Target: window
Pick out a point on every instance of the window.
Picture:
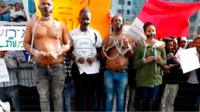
(128, 12)
(121, 2)
(129, 2)
(120, 11)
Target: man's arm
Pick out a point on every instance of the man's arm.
(66, 40)
(5, 9)
(28, 37)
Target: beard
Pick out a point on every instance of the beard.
(118, 27)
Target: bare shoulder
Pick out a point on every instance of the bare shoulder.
(128, 37)
(30, 24)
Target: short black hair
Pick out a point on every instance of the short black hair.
(147, 24)
(167, 40)
(84, 10)
(115, 17)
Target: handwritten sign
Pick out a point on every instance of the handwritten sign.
(4, 76)
(11, 38)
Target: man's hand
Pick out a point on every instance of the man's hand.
(166, 68)
(90, 60)
(81, 60)
(54, 54)
(37, 53)
(126, 43)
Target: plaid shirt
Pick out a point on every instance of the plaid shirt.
(67, 65)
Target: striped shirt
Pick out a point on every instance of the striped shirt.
(26, 74)
(11, 64)
(67, 65)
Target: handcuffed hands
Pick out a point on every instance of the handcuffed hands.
(90, 60)
(55, 53)
(81, 60)
(37, 53)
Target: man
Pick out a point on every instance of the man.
(27, 85)
(18, 14)
(4, 12)
(9, 91)
(86, 44)
(47, 40)
(172, 73)
(117, 48)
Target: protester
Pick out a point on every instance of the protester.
(117, 49)
(172, 72)
(86, 46)
(149, 59)
(47, 40)
(9, 91)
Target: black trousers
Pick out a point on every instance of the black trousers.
(85, 90)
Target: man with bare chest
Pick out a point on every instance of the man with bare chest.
(47, 40)
(117, 48)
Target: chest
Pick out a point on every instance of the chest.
(47, 30)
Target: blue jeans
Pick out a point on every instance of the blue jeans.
(147, 97)
(50, 84)
(68, 95)
(115, 84)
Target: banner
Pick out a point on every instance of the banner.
(67, 11)
(169, 18)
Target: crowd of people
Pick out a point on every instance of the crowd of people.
(78, 71)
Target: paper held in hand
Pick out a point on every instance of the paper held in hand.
(4, 76)
(189, 59)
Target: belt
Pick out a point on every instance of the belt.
(48, 65)
(124, 70)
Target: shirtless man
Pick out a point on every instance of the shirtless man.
(117, 48)
(47, 40)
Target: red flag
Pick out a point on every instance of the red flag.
(170, 18)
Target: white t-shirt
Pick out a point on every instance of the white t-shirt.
(14, 13)
(85, 44)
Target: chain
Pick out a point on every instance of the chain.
(118, 45)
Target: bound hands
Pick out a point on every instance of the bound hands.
(126, 43)
(89, 60)
(51, 54)
(54, 54)
(153, 58)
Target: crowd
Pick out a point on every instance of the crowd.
(78, 71)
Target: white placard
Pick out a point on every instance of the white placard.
(4, 76)
(136, 30)
(189, 59)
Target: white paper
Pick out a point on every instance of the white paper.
(4, 76)
(189, 59)
(136, 30)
